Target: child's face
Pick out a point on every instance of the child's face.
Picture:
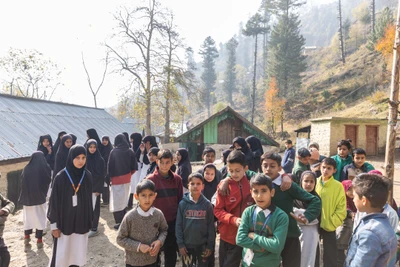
(359, 160)
(178, 156)
(271, 168)
(236, 170)
(104, 142)
(304, 160)
(152, 157)
(79, 161)
(92, 148)
(45, 142)
(209, 174)
(146, 199)
(68, 143)
(164, 165)
(350, 192)
(209, 157)
(237, 146)
(327, 170)
(262, 195)
(195, 186)
(359, 202)
(343, 151)
(147, 145)
(288, 145)
(308, 183)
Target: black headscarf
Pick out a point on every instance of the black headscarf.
(298, 203)
(62, 155)
(72, 219)
(225, 154)
(49, 157)
(105, 151)
(122, 159)
(184, 166)
(92, 133)
(153, 143)
(57, 143)
(74, 138)
(257, 149)
(127, 138)
(250, 159)
(36, 178)
(137, 139)
(95, 164)
(210, 187)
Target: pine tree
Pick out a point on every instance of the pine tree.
(341, 42)
(230, 73)
(209, 53)
(384, 19)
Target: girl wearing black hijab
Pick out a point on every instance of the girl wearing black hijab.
(240, 144)
(184, 167)
(74, 138)
(58, 141)
(121, 165)
(224, 169)
(127, 139)
(62, 154)
(95, 164)
(71, 211)
(92, 134)
(36, 178)
(46, 146)
(136, 140)
(105, 153)
(257, 149)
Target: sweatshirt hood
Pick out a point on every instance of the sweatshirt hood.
(187, 199)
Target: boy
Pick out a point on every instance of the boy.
(334, 212)
(169, 190)
(302, 164)
(373, 242)
(264, 226)
(271, 166)
(358, 165)
(288, 157)
(7, 207)
(209, 157)
(229, 209)
(195, 232)
(144, 229)
(152, 155)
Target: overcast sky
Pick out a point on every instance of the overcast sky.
(61, 30)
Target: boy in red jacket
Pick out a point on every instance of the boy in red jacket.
(229, 209)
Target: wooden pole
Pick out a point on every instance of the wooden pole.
(393, 109)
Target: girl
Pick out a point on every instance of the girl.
(309, 237)
(36, 178)
(74, 138)
(344, 232)
(342, 158)
(95, 164)
(71, 211)
(58, 141)
(257, 149)
(92, 134)
(105, 153)
(62, 154)
(127, 138)
(46, 146)
(152, 155)
(121, 165)
(240, 144)
(184, 167)
(224, 156)
(210, 181)
(136, 140)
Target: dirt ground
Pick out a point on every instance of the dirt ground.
(103, 250)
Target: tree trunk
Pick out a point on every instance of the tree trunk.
(372, 29)
(393, 109)
(253, 106)
(95, 100)
(341, 43)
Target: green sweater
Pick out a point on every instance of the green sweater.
(284, 200)
(267, 247)
(298, 169)
(340, 163)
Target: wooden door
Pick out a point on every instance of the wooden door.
(351, 132)
(371, 146)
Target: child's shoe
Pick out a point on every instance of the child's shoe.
(27, 239)
(39, 244)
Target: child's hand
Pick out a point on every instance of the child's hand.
(183, 251)
(251, 235)
(206, 253)
(144, 248)
(141, 147)
(286, 182)
(155, 248)
(238, 221)
(2, 213)
(224, 188)
(56, 233)
(301, 218)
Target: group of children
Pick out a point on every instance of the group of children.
(264, 217)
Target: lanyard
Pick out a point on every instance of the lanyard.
(255, 220)
(76, 189)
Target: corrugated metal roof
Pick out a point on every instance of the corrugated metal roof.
(23, 120)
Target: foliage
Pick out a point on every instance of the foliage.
(209, 53)
(30, 74)
(274, 105)
(361, 13)
(377, 97)
(385, 44)
(326, 94)
(339, 106)
(219, 106)
(230, 73)
(384, 20)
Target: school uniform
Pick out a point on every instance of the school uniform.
(121, 165)
(49, 156)
(36, 178)
(95, 164)
(71, 212)
(61, 156)
(250, 159)
(105, 153)
(184, 167)
(257, 149)
(58, 142)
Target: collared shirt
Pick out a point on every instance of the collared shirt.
(191, 198)
(266, 211)
(145, 213)
(278, 180)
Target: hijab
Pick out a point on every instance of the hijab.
(74, 172)
(57, 143)
(105, 151)
(127, 138)
(210, 187)
(74, 138)
(36, 178)
(184, 166)
(225, 154)
(255, 144)
(299, 203)
(95, 164)
(120, 161)
(242, 143)
(137, 140)
(349, 201)
(92, 134)
(62, 155)
(153, 143)
(40, 144)
(250, 159)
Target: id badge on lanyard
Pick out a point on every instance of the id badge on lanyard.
(76, 189)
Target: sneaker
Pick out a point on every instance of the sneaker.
(93, 233)
(26, 241)
(116, 226)
(39, 245)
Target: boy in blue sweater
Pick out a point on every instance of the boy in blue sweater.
(358, 166)
(195, 231)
